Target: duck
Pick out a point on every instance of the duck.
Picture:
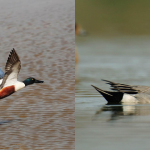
(76, 52)
(8, 80)
(78, 31)
(123, 93)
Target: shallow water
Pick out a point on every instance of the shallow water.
(100, 126)
(41, 116)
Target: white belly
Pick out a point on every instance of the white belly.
(128, 108)
(128, 99)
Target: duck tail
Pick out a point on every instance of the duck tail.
(111, 97)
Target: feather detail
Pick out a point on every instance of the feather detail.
(12, 69)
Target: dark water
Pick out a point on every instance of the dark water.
(100, 126)
(41, 116)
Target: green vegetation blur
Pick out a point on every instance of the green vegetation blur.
(114, 17)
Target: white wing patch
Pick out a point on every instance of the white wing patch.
(1, 81)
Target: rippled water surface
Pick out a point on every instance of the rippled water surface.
(40, 116)
(101, 126)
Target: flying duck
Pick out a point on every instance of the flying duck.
(125, 93)
(8, 81)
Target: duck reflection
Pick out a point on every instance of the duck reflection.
(119, 111)
(8, 121)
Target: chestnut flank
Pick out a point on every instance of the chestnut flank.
(6, 91)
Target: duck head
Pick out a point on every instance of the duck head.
(31, 80)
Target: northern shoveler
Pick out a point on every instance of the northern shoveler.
(125, 93)
(8, 81)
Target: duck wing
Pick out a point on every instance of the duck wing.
(142, 89)
(1, 74)
(129, 89)
(12, 68)
(124, 88)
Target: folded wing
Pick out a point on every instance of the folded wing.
(124, 88)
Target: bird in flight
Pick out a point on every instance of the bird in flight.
(8, 80)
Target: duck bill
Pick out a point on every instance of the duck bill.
(38, 81)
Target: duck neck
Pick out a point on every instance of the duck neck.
(26, 82)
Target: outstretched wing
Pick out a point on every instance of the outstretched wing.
(12, 69)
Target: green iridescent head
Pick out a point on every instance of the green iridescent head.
(31, 80)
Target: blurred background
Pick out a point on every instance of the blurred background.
(112, 18)
(116, 48)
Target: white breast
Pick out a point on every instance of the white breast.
(19, 85)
